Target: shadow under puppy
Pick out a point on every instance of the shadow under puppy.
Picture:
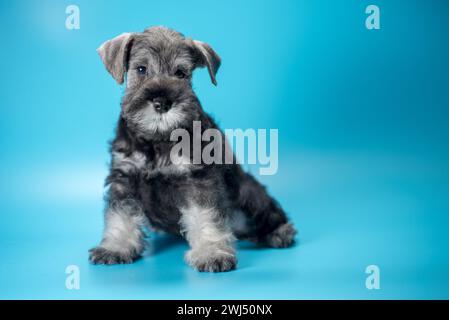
(209, 204)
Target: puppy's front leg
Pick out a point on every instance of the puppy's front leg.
(123, 237)
(210, 239)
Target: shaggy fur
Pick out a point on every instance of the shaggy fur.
(209, 204)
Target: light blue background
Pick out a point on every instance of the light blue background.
(363, 145)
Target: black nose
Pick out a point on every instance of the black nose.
(161, 104)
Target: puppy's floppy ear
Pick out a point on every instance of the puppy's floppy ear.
(114, 54)
(207, 57)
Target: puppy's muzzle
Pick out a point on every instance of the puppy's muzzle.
(161, 104)
(163, 93)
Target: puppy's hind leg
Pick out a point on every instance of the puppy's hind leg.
(268, 223)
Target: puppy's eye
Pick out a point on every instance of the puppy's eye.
(142, 70)
(180, 74)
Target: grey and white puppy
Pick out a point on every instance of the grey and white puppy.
(209, 204)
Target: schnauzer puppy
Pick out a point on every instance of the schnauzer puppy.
(209, 204)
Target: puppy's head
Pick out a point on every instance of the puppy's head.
(158, 65)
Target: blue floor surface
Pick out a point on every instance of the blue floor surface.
(351, 210)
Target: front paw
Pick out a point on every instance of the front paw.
(100, 255)
(211, 262)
